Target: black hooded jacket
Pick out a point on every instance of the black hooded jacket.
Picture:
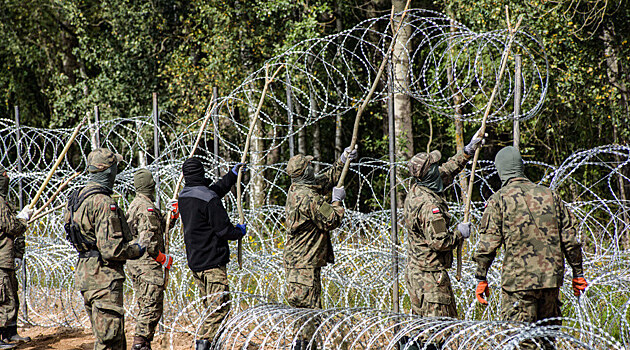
(207, 227)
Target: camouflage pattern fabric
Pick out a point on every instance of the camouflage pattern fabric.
(431, 294)
(9, 302)
(213, 281)
(304, 288)
(105, 310)
(310, 218)
(430, 244)
(536, 231)
(101, 159)
(532, 306)
(11, 235)
(101, 220)
(146, 221)
(150, 306)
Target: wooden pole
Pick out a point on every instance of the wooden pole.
(56, 165)
(518, 96)
(355, 131)
(482, 130)
(239, 201)
(52, 198)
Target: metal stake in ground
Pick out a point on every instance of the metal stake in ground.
(239, 202)
(482, 130)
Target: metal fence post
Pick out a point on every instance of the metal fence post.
(392, 191)
(156, 149)
(97, 127)
(215, 139)
(518, 95)
(18, 135)
(290, 115)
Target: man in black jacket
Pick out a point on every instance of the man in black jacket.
(207, 230)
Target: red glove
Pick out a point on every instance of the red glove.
(482, 288)
(174, 211)
(165, 260)
(579, 285)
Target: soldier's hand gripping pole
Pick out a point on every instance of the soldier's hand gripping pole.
(381, 69)
(239, 202)
(56, 165)
(167, 238)
(482, 130)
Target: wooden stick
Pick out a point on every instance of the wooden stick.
(239, 202)
(482, 130)
(381, 69)
(41, 215)
(56, 165)
(52, 198)
(167, 237)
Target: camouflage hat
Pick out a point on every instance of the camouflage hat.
(419, 164)
(297, 164)
(101, 159)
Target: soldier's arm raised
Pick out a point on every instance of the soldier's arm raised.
(108, 227)
(490, 238)
(571, 247)
(224, 184)
(326, 216)
(438, 236)
(453, 166)
(327, 179)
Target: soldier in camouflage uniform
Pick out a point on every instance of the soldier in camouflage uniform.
(12, 230)
(310, 218)
(147, 224)
(98, 229)
(431, 243)
(537, 231)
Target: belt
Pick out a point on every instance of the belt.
(90, 254)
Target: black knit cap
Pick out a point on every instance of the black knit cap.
(194, 173)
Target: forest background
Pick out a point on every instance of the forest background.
(58, 59)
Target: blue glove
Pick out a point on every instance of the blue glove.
(243, 228)
(238, 166)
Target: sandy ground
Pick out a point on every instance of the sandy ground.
(60, 338)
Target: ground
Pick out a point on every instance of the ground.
(62, 338)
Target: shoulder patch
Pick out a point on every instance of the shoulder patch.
(485, 205)
(150, 209)
(436, 210)
(112, 207)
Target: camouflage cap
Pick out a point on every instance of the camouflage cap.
(101, 159)
(419, 164)
(297, 164)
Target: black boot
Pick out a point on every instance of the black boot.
(140, 343)
(10, 335)
(4, 345)
(297, 345)
(202, 344)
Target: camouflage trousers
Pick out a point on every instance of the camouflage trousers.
(431, 293)
(105, 310)
(304, 291)
(9, 302)
(217, 307)
(150, 306)
(532, 306)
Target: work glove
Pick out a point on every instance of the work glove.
(238, 166)
(579, 285)
(482, 289)
(338, 194)
(25, 214)
(464, 229)
(474, 143)
(347, 153)
(165, 259)
(17, 262)
(173, 206)
(243, 228)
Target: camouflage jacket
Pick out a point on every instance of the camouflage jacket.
(430, 242)
(536, 231)
(101, 220)
(310, 218)
(146, 221)
(11, 235)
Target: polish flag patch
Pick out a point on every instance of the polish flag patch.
(436, 210)
(112, 207)
(150, 210)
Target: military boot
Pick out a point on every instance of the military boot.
(10, 335)
(297, 345)
(202, 344)
(140, 343)
(4, 345)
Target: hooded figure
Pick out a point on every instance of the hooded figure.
(144, 184)
(509, 164)
(424, 168)
(103, 167)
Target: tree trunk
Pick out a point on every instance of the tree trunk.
(257, 180)
(338, 142)
(402, 102)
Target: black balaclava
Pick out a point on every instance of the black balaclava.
(307, 177)
(509, 164)
(144, 183)
(432, 179)
(194, 174)
(106, 177)
(4, 182)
